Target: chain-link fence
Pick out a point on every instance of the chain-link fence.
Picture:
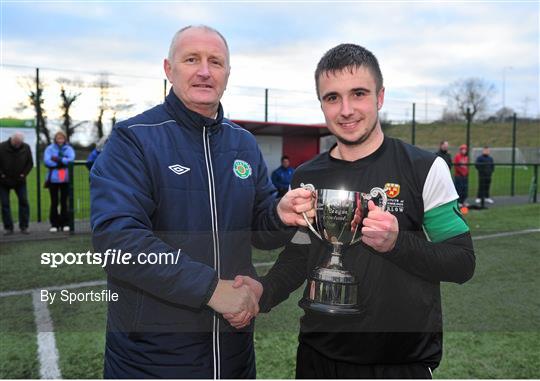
(87, 105)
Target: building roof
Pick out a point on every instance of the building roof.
(280, 129)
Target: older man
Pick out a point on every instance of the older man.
(180, 178)
(15, 164)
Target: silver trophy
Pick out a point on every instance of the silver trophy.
(338, 221)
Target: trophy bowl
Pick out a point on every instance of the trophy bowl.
(338, 222)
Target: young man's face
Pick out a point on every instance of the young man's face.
(350, 103)
(199, 70)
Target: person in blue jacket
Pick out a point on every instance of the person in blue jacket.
(181, 179)
(57, 157)
(281, 177)
(91, 159)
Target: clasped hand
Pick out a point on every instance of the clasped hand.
(238, 300)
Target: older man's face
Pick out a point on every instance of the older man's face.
(199, 70)
(16, 141)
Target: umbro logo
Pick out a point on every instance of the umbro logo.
(178, 169)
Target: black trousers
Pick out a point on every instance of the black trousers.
(484, 183)
(462, 188)
(24, 208)
(313, 365)
(62, 219)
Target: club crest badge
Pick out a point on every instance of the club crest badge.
(392, 190)
(241, 169)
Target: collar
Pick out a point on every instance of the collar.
(366, 160)
(188, 118)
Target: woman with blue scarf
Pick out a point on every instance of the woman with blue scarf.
(57, 157)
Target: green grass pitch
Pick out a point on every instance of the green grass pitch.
(492, 325)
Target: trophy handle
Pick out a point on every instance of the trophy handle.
(380, 192)
(310, 188)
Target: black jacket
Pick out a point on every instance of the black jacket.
(400, 290)
(484, 165)
(14, 162)
(446, 156)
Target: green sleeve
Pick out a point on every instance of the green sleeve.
(444, 221)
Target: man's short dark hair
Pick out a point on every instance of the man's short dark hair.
(284, 157)
(348, 56)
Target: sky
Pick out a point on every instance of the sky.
(421, 46)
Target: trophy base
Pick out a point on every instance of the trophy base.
(330, 309)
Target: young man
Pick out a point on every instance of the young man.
(281, 177)
(181, 179)
(484, 166)
(405, 252)
(443, 153)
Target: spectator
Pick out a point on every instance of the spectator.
(443, 152)
(461, 174)
(281, 177)
(484, 166)
(15, 164)
(57, 157)
(95, 152)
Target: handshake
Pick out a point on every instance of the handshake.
(238, 300)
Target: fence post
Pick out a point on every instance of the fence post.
(513, 176)
(413, 126)
(71, 209)
(164, 89)
(38, 158)
(468, 136)
(266, 105)
(535, 184)
(468, 141)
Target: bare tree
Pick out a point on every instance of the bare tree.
(104, 86)
(35, 100)
(68, 98)
(470, 93)
(119, 106)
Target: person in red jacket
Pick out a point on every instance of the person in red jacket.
(461, 174)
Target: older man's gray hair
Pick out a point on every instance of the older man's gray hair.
(208, 28)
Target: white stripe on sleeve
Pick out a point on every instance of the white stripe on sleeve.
(439, 188)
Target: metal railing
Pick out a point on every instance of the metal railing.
(507, 180)
(79, 196)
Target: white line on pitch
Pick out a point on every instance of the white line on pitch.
(47, 351)
(506, 234)
(263, 264)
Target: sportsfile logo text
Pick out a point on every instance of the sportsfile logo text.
(109, 257)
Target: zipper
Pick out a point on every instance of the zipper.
(215, 239)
